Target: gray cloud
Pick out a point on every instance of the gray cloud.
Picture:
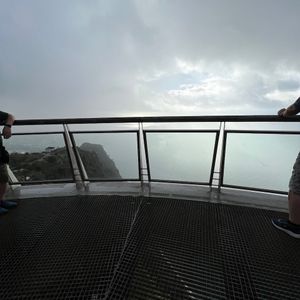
(87, 58)
(288, 85)
(238, 30)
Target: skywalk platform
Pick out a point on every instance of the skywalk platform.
(139, 247)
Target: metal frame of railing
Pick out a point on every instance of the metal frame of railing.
(162, 119)
(81, 177)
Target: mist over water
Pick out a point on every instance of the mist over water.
(260, 160)
(181, 156)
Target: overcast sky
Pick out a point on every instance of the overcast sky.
(94, 58)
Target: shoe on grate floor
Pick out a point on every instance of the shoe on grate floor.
(288, 227)
(8, 204)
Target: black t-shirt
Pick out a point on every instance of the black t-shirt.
(3, 118)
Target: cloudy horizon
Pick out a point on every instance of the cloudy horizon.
(103, 58)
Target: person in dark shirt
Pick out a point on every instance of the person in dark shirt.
(292, 225)
(7, 120)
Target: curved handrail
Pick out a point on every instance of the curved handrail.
(160, 119)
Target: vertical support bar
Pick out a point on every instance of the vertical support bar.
(74, 165)
(140, 157)
(222, 161)
(82, 169)
(214, 158)
(147, 156)
(143, 159)
(13, 179)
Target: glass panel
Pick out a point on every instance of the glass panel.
(173, 126)
(260, 160)
(109, 155)
(185, 156)
(263, 126)
(39, 157)
(37, 128)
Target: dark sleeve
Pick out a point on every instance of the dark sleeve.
(3, 117)
(297, 104)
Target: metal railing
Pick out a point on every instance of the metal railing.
(216, 176)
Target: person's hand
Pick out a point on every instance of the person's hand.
(6, 132)
(281, 112)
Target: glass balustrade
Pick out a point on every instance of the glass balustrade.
(255, 160)
(39, 157)
(108, 155)
(260, 160)
(181, 156)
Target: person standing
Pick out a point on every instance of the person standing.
(292, 225)
(7, 120)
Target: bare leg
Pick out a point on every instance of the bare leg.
(294, 207)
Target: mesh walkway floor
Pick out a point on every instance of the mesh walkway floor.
(114, 247)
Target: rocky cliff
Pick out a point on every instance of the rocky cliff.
(97, 162)
(53, 164)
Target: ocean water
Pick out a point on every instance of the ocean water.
(181, 156)
(260, 160)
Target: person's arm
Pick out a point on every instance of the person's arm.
(292, 110)
(6, 132)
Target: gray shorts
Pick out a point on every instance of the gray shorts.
(3, 173)
(294, 185)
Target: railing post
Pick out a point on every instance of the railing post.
(217, 176)
(16, 185)
(222, 155)
(81, 166)
(142, 160)
(77, 176)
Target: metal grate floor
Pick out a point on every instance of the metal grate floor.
(114, 247)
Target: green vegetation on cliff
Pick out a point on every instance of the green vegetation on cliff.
(54, 164)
